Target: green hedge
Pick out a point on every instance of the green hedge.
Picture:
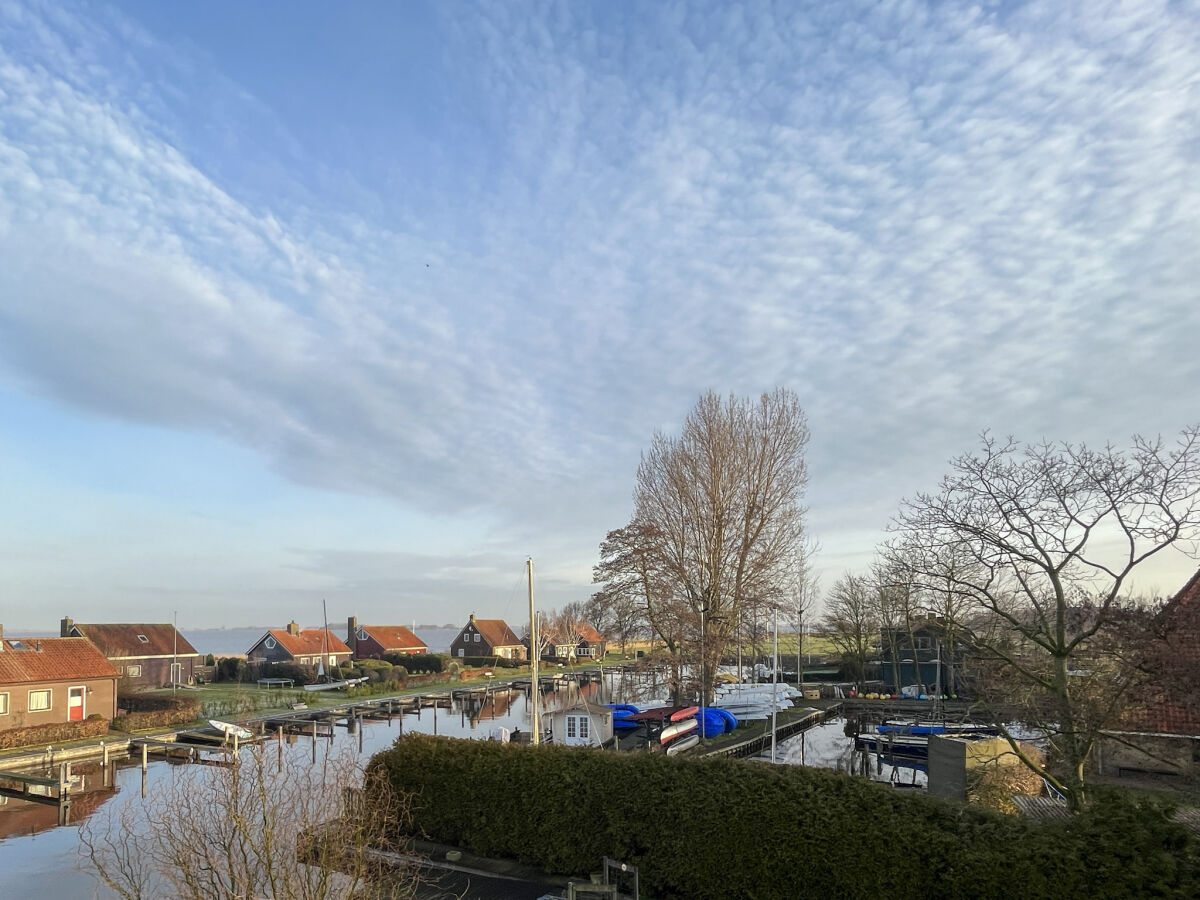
(416, 662)
(725, 828)
(490, 662)
(53, 733)
(155, 711)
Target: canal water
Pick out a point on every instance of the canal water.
(38, 858)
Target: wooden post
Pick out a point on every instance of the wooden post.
(314, 741)
(144, 757)
(360, 737)
(279, 741)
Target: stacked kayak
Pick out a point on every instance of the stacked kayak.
(621, 714)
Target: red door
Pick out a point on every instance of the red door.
(75, 704)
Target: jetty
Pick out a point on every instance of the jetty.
(789, 723)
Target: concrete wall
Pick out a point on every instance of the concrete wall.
(1165, 754)
(952, 758)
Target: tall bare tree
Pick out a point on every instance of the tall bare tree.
(719, 513)
(1035, 544)
(851, 621)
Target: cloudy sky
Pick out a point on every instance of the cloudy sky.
(369, 302)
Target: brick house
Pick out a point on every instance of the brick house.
(488, 637)
(145, 655)
(583, 641)
(1160, 729)
(373, 641)
(305, 647)
(46, 681)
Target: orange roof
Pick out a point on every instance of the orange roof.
(31, 660)
(589, 634)
(394, 637)
(309, 642)
(120, 640)
(497, 633)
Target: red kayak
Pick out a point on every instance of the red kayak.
(687, 712)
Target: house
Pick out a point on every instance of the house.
(928, 655)
(145, 655)
(45, 681)
(581, 725)
(580, 640)
(1159, 732)
(488, 637)
(373, 641)
(307, 647)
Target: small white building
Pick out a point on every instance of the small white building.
(581, 725)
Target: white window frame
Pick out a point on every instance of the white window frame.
(303, 660)
(332, 659)
(4, 704)
(49, 700)
(571, 726)
(583, 728)
(133, 671)
(478, 638)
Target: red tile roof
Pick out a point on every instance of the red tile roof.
(309, 642)
(1170, 703)
(121, 640)
(58, 659)
(497, 633)
(589, 634)
(395, 637)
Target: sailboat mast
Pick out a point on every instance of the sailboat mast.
(534, 655)
(774, 684)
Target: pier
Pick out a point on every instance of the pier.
(791, 726)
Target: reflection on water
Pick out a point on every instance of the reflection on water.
(827, 746)
(34, 852)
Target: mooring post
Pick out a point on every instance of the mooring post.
(435, 712)
(145, 754)
(279, 741)
(235, 743)
(314, 741)
(360, 737)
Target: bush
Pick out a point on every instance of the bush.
(210, 660)
(490, 662)
(301, 675)
(54, 733)
(804, 832)
(232, 668)
(416, 662)
(155, 712)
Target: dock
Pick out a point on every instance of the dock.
(791, 726)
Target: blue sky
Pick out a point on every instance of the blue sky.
(369, 302)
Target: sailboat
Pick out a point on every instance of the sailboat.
(326, 682)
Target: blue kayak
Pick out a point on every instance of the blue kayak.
(712, 723)
(731, 721)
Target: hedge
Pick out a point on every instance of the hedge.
(725, 828)
(416, 662)
(155, 712)
(54, 733)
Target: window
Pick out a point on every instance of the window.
(462, 652)
(39, 701)
(303, 660)
(922, 643)
(477, 637)
(143, 639)
(571, 726)
(3, 704)
(332, 660)
(269, 643)
(583, 727)
(134, 671)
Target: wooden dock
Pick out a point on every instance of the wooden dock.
(44, 789)
(793, 726)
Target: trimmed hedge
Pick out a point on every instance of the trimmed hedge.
(54, 733)
(155, 712)
(724, 828)
(416, 662)
(490, 662)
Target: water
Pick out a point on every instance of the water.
(38, 858)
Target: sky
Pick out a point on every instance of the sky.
(366, 303)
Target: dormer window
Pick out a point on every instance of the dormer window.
(269, 643)
(362, 634)
(143, 639)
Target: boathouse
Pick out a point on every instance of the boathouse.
(373, 641)
(144, 655)
(45, 681)
(581, 725)
(304, 647)
(488, 637)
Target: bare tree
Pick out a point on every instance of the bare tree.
(257, 828)
(719, 514)
(851, 621)
(1036, 545)
(617, 615)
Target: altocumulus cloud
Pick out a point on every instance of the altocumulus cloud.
(926, 219)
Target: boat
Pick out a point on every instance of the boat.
(334, 685)
(683, 744)
(731, 721)
(324, 681)
(687, 712)
(230, 730)
(712, 722)
(677, 729)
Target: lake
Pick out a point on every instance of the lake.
(36, 857)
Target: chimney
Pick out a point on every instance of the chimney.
(38, 645)
(64, 629)
(293, 628)
(351, 632)
(472, 618)
(1, 638)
